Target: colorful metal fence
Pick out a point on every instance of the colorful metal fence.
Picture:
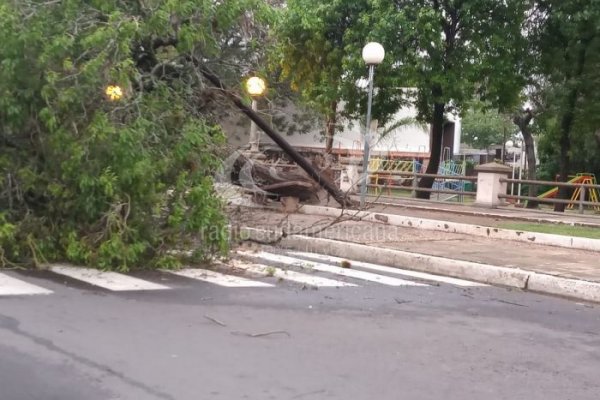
(388, 175)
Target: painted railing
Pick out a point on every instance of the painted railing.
(390, 177)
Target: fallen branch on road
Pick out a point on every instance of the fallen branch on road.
(216, 321)
(255, 335)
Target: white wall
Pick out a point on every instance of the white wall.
(413, 138)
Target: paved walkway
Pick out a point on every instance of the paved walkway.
(456, 212)
(568, 263)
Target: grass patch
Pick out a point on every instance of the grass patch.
(555, 229)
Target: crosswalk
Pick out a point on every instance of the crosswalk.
(218, 278)
(246, 269)
(105, 279)
(10, 286)
(289, 275)
(390, 270)
(317, 266)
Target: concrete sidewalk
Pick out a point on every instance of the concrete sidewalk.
(459, 212)
(460, 255)
(488, 227)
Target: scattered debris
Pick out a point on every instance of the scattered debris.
(255, 335)
(216, 321)
(298, 396)
(400, 301)
(381, 217)
(508, 302)
(290, 204)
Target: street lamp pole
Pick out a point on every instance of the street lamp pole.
(372, 54)
(514, 165)
(253, 141)
(503, 145)
(510, 145)
(521, 167)
(256, 87)
(367, 149)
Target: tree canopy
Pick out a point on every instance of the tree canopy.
(566, 61)
(312, 37)
(114, 184)
(450, 52)
(484, 128)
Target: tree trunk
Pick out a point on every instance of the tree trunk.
(330, 128)
(565, 147)
(522, 121)
(437, 135)
(531, 167)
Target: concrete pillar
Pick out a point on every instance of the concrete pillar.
(350, 179)
(489, 185)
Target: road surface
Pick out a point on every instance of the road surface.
(271, 325)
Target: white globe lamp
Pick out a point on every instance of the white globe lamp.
(373, 53)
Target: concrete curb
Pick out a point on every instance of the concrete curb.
(490, 212)
(546, 239)
(485, 273)
(573, 288)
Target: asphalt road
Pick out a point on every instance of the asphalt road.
(203, 341)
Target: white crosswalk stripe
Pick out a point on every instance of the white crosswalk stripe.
(108, 280)
(351, 273)
(390, 270)
(10, 286)
(251, 264)
(218, 278)
(289, 275)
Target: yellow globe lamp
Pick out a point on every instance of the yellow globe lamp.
(114, 92)
(256, 86)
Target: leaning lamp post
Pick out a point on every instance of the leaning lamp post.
(372, 55)
(256, 87)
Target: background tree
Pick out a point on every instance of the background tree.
(566, 35)
(315, 41)
(310, 52)
(450, 51)
(483, 128)
(114, 184)
(523, 120)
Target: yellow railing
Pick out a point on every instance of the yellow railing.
(380, 171)
(380, 165)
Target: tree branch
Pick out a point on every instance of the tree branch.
(164, 42)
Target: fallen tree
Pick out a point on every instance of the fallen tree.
(113, 181)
